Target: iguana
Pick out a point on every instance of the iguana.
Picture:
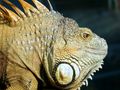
(39, 44)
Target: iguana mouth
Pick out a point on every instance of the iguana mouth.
(99, 49)
(96, 52)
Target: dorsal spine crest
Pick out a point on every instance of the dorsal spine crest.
(13, 18)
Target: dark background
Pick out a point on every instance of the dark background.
(103, 17)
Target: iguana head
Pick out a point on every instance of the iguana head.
(76, 53)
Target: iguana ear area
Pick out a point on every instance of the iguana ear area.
(65, 73)
(85, 34)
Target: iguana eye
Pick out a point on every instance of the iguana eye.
(66, 73)
(86, 34)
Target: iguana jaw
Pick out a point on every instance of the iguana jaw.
(94, 61)
(91, 72)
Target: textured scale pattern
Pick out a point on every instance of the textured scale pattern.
(39, 44)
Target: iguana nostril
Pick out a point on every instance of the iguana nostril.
(64, 74)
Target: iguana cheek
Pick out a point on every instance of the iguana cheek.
(66, 73)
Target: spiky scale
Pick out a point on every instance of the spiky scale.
(18, 11)
(27, 7)
(39, 6)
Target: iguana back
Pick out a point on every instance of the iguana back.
(39, 41)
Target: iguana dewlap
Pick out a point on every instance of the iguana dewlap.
(39, 41)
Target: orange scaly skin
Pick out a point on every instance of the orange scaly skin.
(39, 41)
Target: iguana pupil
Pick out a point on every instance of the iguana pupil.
(85, 35)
